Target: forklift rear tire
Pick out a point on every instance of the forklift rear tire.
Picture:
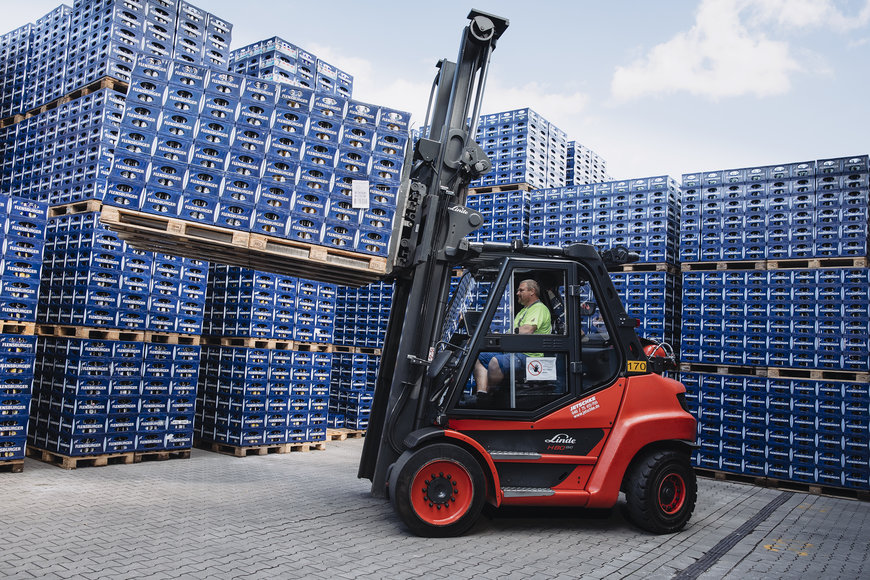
(438, 490)
(661, 491)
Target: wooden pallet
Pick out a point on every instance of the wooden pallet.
(814, 263)
(12, 466)
(367, 350)
(244, 451)
(69, 462)
(249, 342)
(500, 188)
(801, 263)
(722, 266)
(16, 327)
(647, 267)
(179, 237)
(777, 373)
(819, 374)
(342, 434)
(172, 338)
(784, 484)
(713, 369)
(60, 330)
(86, 206)
(162, 455)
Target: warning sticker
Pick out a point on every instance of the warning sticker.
(541, 368)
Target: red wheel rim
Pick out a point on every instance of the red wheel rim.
(441, 492)
(672, 494)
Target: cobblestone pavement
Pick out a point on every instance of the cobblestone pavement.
(306, 515)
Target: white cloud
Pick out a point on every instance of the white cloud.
(728, 52)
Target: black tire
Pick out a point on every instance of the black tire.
(660, 491)
(438, 491)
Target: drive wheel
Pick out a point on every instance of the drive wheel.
(438, 490)
(661, 491)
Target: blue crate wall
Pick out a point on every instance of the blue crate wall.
(22, 244)
(362, 315)
(807, 318)
(18, 355)
(806, 431)
(505, 214)
(815, 209)
(246, 303)
(47, 60)
(275, 59)
(584, 166)
(106, 36)
(641, 214)
(69, 48)
(14, 54)
(251, 396)
(352, 388)
(102, 396)
(92, 278)
(523, 147)
(63, 154)
(258, 156)
(654, 299)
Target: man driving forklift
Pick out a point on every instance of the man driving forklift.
(533, 318)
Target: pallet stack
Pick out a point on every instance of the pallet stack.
(266, 363)
(776, 318)
(361, 318)
(585, 166)
(118, 355)
(23, 231)
(641, 214)
(277, 60)
(523, 147)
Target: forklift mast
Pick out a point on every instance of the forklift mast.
(431, 239)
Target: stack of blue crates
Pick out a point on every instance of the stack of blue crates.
(263, 382)
(352, 389)
(217, 148)
(776, 319)
(252, 397)
(815, 209)
(107, 36)
(14, 56)
(96, 396)
(47, 60)
(584, 166)
(23, 241)
(63, 154)
(807, 431)
(802, 318)
(128, 383)
(17, 352)
(275, 59)
(506, 215)
(523, 147)
(641, 214)
(93, 279)
(361, 318)
(22, 230)
(247, 303)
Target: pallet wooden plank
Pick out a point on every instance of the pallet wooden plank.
(246, 450)
(74, 462)
(12, 466)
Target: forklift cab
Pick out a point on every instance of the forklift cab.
(539, 372)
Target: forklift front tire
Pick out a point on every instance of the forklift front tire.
(661, 491)
(438, 491)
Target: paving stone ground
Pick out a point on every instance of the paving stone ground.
(306, 515)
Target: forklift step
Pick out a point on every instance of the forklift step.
(527, 491)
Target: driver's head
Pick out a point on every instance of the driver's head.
(528, 292)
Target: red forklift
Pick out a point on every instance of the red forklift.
(576, 416)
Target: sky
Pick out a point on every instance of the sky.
(654, 87)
